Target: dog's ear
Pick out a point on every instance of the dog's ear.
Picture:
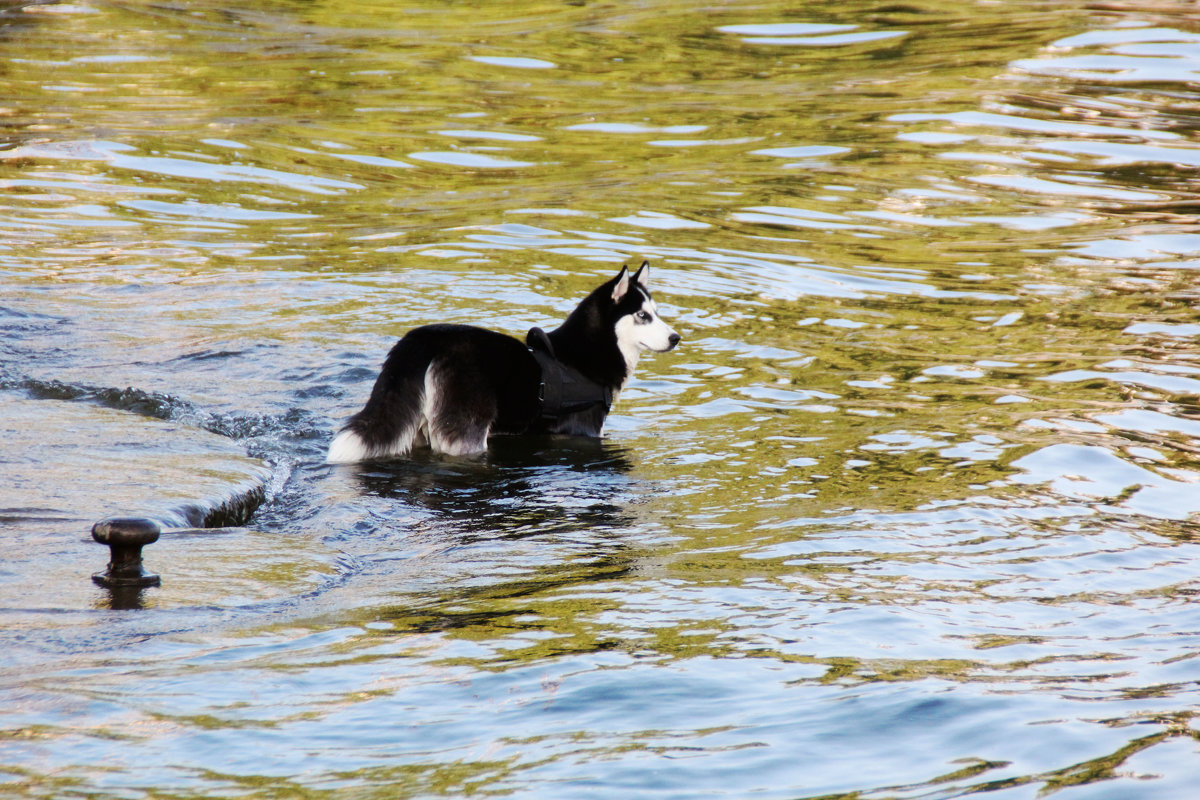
(620, 284)
(642, 276)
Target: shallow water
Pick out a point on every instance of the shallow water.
(909, 514)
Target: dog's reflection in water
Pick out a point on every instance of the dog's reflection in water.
(522, 486)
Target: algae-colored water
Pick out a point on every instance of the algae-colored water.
(909, 514)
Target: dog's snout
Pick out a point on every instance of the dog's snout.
(673, 340)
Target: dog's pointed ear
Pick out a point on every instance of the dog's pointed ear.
(620, 284)
(642, 276)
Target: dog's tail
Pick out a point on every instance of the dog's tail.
(392, 421)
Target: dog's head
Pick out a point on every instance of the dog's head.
(638, 326)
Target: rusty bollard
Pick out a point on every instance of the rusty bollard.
(125, 537)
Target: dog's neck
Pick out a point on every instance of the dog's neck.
(630, 353)
(608, 366)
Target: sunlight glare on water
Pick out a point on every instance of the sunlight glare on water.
(908, 514)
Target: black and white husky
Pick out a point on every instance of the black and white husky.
(452, 386)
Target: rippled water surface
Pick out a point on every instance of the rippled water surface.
(909, 514)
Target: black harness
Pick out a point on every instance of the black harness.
(563, 390)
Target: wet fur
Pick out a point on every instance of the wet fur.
(452, 386)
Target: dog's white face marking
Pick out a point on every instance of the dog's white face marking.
(644, 330)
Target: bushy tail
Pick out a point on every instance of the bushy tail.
(392, 422)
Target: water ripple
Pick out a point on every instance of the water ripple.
(915, 494)
(119, 155)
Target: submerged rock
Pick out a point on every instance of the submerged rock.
(66, 460)
(67, 464)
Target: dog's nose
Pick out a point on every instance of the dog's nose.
(673, 340)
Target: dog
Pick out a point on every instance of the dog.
(450, 387)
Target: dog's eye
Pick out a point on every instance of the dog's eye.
(642, 316)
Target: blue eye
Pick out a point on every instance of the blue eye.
(642, 316)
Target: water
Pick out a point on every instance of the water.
(909, 514)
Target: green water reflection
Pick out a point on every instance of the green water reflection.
(909, 514)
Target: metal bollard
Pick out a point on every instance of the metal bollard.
(125, 537)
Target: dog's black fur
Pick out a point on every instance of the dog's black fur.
(452, 386)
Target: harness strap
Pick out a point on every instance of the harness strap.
(563, 390)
